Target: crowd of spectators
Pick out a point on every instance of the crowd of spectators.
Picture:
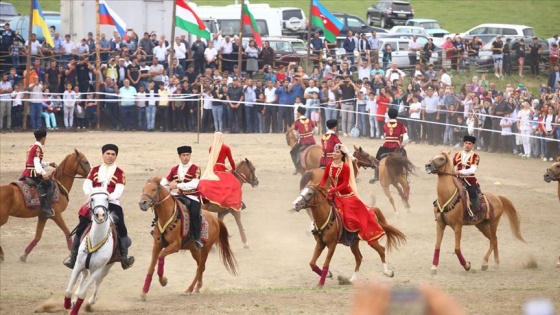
(136, 93)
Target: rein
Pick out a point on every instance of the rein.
(154, 198)
(243, 177)
(315, 191)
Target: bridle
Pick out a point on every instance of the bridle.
(154, 199)
(553, 176)
(365, 156)
(103, 207)
(436, 170)
(254, 181)
(78, 166)
(314, 191)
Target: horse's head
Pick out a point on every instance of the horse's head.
(247, 172)
(151, 194)
(74, 164)
(553, 173)
(364, 159)
(99, 204)
(440, 163)
(311, 196)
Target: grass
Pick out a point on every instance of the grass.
(453, 15)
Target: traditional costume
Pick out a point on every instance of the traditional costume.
(328, 142)
(304, 127)
(395, 133)
(466, 164)
(225, 152)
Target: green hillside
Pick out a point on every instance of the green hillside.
(453, 15)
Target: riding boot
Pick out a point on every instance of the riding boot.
(475, 205)
(70, 261)
(45, 196)
(196, 223)
(294, 153)
(126, 261)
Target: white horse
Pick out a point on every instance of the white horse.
(98, 244)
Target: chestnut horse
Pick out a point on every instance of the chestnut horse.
(553, 174)
(327, 229)
(393, 170)
(168, 240)
(453, 213)
(13, 204)
(245, 173)
(313, 155)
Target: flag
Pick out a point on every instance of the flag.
(249, 20)
(109, 17)
(323, 19)
(187, 20)
(39, 20)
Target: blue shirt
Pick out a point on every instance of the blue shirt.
(297, 91)
(283, 96)
(128, 96)
(57, 44)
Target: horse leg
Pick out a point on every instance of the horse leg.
(62, 225)
(156, 249)
(493, 230)
(330, 247)
(316, 253)
(312, 226)
(196, 256)
(439, 237)
(222, 214)
(391, 200)
(381, 251)
(201, 268)
(81, 292)
(68, 293)
(102, 274)
(3, 219)
(484, 227)
(458, 229)
(41, 222)
(404, 192)
(358, 258)
(170, 249)
(237, 217)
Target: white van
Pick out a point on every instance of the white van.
(293, 21)
(501, 29)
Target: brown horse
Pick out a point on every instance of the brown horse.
(553, 174)
(312, 157)
(452, 213)
(245, 173)
(393, 170)
(327, 228)
(13, 204)
(168, 239)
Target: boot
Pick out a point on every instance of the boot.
(126, 261)
(375, 177)
(475, 205)
(45, 196)
(70, 261)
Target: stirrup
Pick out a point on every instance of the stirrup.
(47, 214)
(198, 244)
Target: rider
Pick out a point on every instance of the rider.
(225, 152)
(466, 164)
(109, 175)
(304, 126)
(394, 139)
(180, 175)
(35, 174)
(355, 214)
(328, 141)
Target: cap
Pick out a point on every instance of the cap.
(184, 149)
(393, 113)
(470, 139)
(331, 123)
(40, 134)
(110, 147)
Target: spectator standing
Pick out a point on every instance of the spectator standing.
(218, 106)
(507, 136)
(507, 56)
(374, 43)
(267, 54)
(127, 94)
(252, 53)
(33, 47)
(499, 109)
(430, 114)
(91, 111)
(554, 55)
(5, 102)
(250, 97)
(68, 49)
(156, 71)
(383, 100)
(69, 101)
(235, 99)
(79, 109)
(17, 107)
(198, 48)
(15, 51)
(111, 91)
(349, 46)
(133, 73)
(146, 45)
(270, 109)
(427, 51)
(448, 53)
(415, 112)
(535, 51)
(181, 52)
(208, 97)
(210, 55)
(151, 108)
(497, 56)
(414, 48)
(141, 101)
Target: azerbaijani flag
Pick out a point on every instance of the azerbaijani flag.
(109, 17)
(39, 20)
(249, 20)
(187, 20)
(323, 19)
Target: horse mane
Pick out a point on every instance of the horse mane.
(155, 179)
(396, 163)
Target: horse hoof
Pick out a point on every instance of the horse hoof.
(246, 246)
(187, 292)
(163, 281)
(371, 181)
(433, 271)
(484, 267)
(467, 266)
(2, 258)
(329, 275)
(496, 267)
(142, 297)
(23, 258)
(88, 308)
(389, 273)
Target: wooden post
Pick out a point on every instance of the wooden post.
(173, 44)
(26, 80)
(200, 111)
(309, 34)
(240, 50)
(98, 75)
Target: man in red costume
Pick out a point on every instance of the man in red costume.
(184, 177)
(395, 133)
(466, 164)
(304, 127)
(328, 141)
(113, 178)
(35, 174)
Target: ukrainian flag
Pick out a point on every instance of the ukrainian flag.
(39, 20)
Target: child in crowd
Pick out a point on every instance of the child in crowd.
(163, 106)
(15, 51)
(17, 107)
(50, 108)
(80, 109)
(91, 111)
(141, 106)
(471, 123)
(507, 136)
(371, 108)
(314, 110)
(297, 104)
(69, 99)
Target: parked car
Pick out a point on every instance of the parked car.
(355, 24)
(293, 21)
(21, 24)
(500, 29)
(7, 12)
(485, 61)
(414, 30)
(284, 52)
(400, 51)
(388, 13)
(299, 45)
(431, 26)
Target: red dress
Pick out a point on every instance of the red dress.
(225, 192)
(356, 216)
(225, 152)
(328, 141)
(304, 127)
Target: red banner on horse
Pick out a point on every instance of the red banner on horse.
(225, 192)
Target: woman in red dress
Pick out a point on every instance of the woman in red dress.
(225, 153)
(356, 216)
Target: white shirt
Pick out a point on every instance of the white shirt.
(392, 76)
(465, 156)
(446, 79)
(160, 52)
(227, 48)
(35, 46)
(83, 49)
(104, 177)
(270, 95)
(525, 119)
(210, 53)
(364, 72)
(141, 99)
(17, 96)
(69, 98)
(39, 167)
(371, 107)
(415, 106)
(180, 50)
(68, 47)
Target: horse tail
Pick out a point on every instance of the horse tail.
(514, 221)
(395, 237)
(399, 165)
(226, 255)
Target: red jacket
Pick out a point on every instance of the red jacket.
(34, 151)
(473, 160)
(393, 133)
(225, 152)
(192, 172)
(328, 141)
(304, 127)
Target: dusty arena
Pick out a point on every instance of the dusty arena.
(274, 275)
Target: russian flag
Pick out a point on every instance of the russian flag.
(109, 17)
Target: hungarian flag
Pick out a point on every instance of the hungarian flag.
(187, 19)
(323, 19)
(249, 20)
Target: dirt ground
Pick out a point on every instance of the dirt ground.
(274, 276)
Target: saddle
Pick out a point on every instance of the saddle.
(484, 212)
(345, 237)
(302, 153)
(31, 196)
(92, 248)
(183, 218)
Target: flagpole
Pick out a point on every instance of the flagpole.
(97, 62)
(239, 50)
(309, 32)
(172, 41)
(28, 66)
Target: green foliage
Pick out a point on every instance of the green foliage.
(23, 6)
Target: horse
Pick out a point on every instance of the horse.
(245, 173)
(328, 228)
(12, 202)
(393, 170)
(312, 158)
(553, 174)
(452, 213)
(96, 252)
(168, 239)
